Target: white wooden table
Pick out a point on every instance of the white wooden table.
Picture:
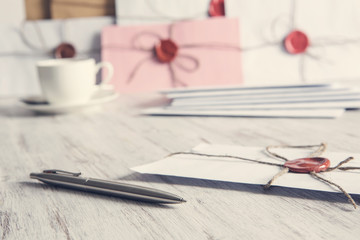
(106, 144)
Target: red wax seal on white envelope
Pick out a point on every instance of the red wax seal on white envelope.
(166, 50)
(217, 8)
(296, 42)
(65, 50)
(306, 165)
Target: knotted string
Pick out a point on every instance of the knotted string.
(315, 43)
(320, 150)
(180, 59)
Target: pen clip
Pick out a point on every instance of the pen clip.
(55, 171)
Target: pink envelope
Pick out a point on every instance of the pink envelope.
(199, 53)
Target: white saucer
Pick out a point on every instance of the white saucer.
(38, 104)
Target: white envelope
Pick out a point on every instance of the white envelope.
(332, 29)
(217, 102)
(193, 92)
(268, 98)
(234, 170)
(293, 106)
(289, 101)
(159, 11)
(18, 74)
(12, 11)
(253, 112)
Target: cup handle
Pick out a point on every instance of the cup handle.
(110, 73)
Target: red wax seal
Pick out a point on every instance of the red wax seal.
(65, 50)
(296, 42)
(217, 8)
(306, 165)
(166, 50)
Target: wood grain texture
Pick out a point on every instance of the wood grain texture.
(107, 143)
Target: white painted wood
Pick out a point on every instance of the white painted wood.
(106, 144)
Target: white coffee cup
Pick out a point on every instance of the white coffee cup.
(71, 81)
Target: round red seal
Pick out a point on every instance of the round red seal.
(166, 50)
(296, 42)
(217, 8)
(65, 50)
(306, 165)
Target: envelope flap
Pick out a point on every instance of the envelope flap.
(217, 30)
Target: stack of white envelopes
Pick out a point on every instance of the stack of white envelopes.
(288, 101)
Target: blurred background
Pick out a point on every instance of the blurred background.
(277, 41)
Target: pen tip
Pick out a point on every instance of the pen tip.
(182, 200)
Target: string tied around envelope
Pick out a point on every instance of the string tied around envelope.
(64, 50)
(295, 41)
(164, 51)
(312, 164)
(167, 51)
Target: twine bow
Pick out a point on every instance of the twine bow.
(168, 52)
(315, 165)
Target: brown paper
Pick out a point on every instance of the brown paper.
(37, 9)
(81, 8)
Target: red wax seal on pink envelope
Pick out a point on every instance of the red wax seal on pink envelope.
(166, 50)
(306, 165)
(65, 50)
(296, 42)
(195, 41)
(217, 8)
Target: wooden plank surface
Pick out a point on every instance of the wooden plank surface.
(105, 144)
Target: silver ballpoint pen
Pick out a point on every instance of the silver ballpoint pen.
(122, 190)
